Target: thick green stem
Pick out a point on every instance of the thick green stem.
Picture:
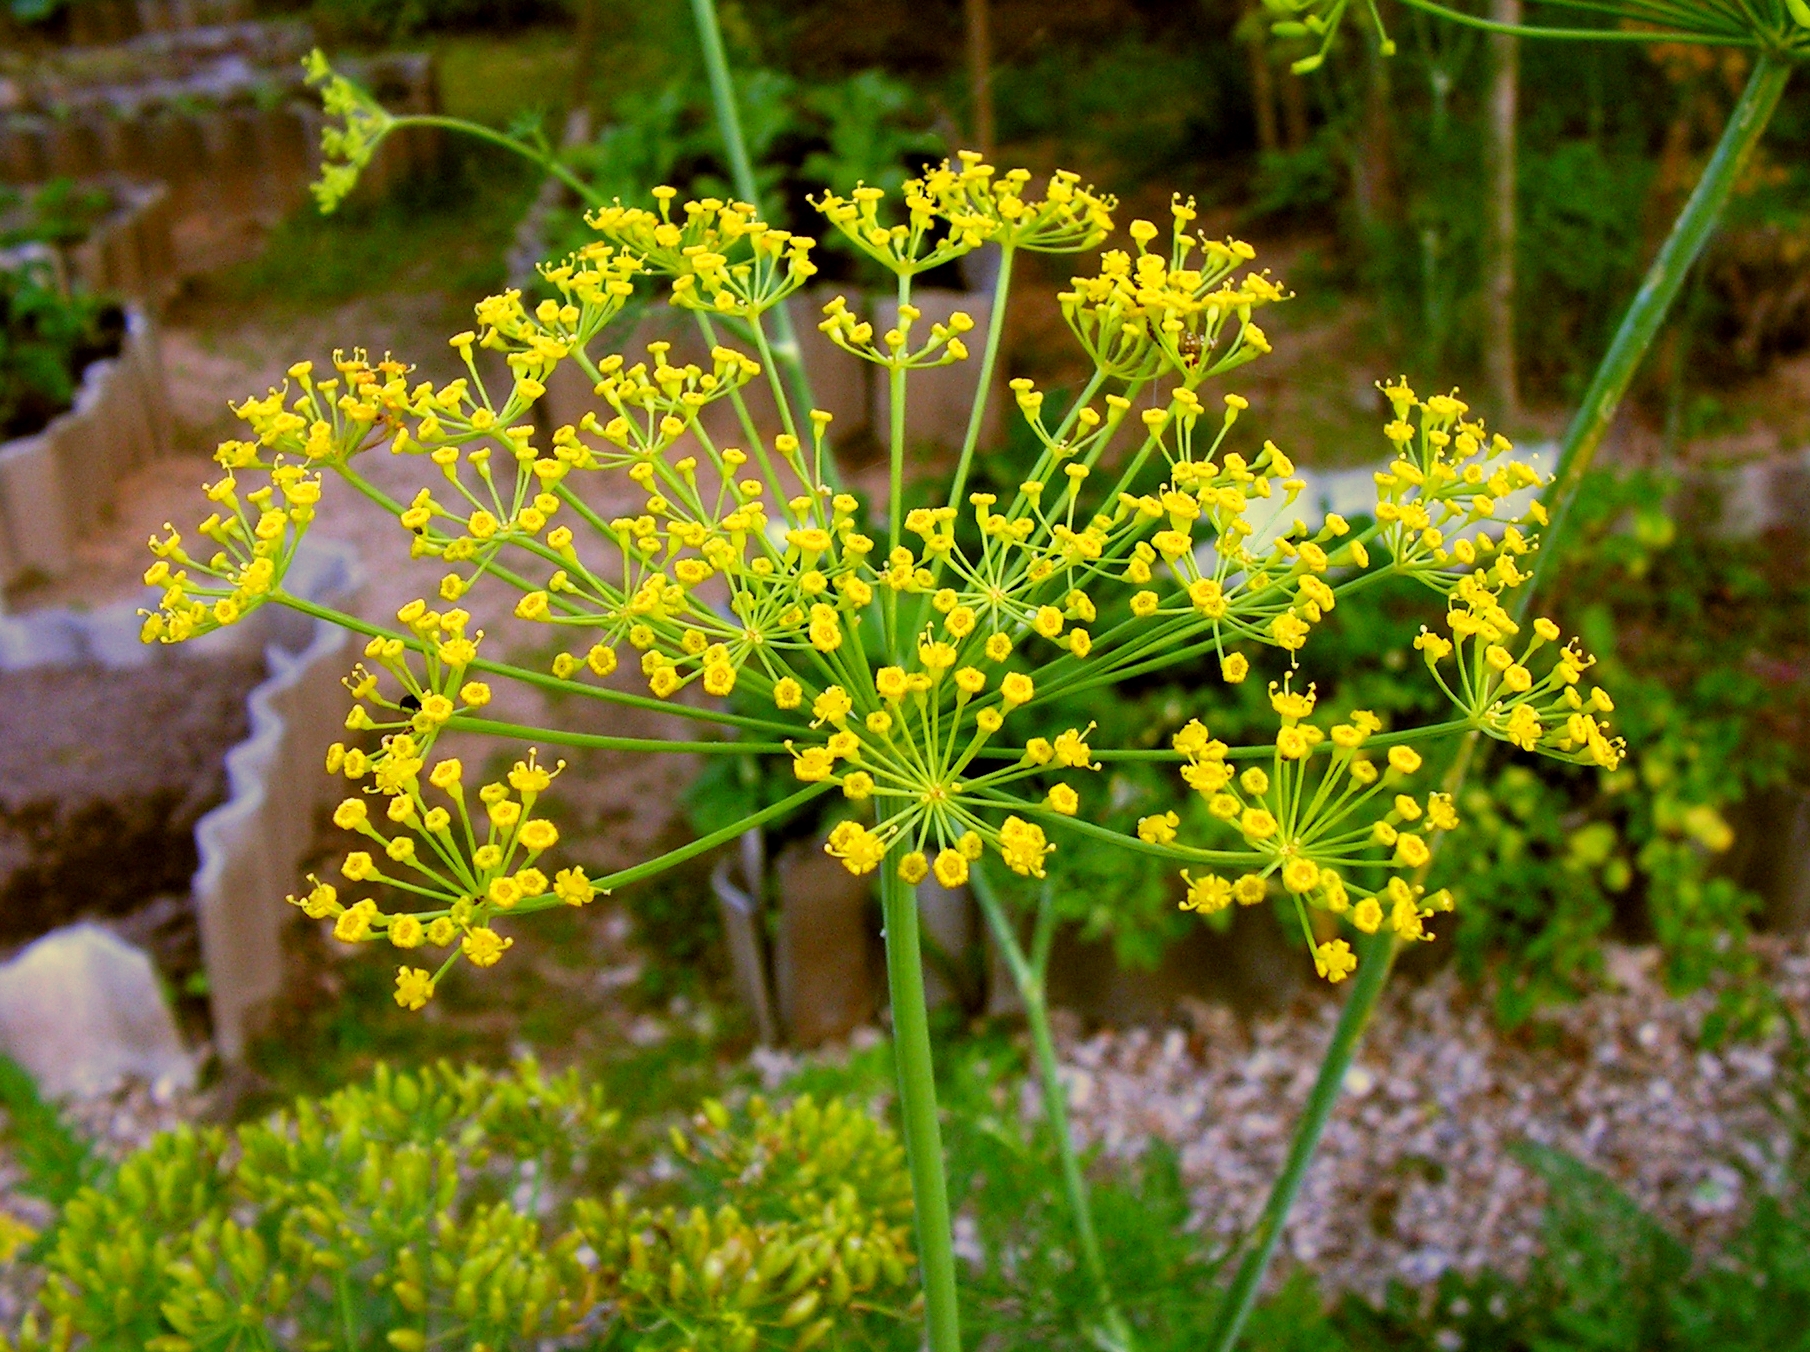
(917, 1109)
(729, 121)
(1030, 977)
(1660, 287)
(1632, 338)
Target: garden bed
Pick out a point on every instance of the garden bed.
(220, 114)
(169, 793)
(57, 482)
(103, 775)
(108, 236)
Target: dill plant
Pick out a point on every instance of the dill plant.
(908, 664)
(1776, 33)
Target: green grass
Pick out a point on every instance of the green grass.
(496, 80)
(444, 233)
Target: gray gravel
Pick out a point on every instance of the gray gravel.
(1414, 1175)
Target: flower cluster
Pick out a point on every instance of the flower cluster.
(1146, 313)
(467, 862)
(912, 665)
(1318, 824)
(346, 148)
(955, 208)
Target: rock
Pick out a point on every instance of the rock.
(81, 1010)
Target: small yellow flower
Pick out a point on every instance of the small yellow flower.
(572, 887)
(484, 947)
(414, 987)
(1022, 846)
(951, 868)
(354, 923)
(1158, 829)
(1334, 960)
(1207, 895)
(859, 849)
(1301, 875)
(1257, 824)
(538, 835)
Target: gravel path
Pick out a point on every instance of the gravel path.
(1414, 1175)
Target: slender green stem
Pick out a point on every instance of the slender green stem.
(1632, 338)
(917, 1109)
(549, 163)
(741, 169)
(543, 680)
(1690, 232)
(1458, 16)
(597, 741)
(996, 323)
(1374, 963)
(348, 1323)
(1030, 977)
(705, 844)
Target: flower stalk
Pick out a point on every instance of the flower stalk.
(1608, 385)
(1658, 290)
(1030, 975)
(785, 350)
(918, 1112)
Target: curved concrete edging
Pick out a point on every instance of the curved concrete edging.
(56, 484)
(251, 846)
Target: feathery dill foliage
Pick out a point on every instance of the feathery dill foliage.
(1779, 29)
(892, 663)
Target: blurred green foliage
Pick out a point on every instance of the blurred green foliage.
(1609, 139)
(441, 1206)
(54, 1162)
(802, 138)
(444, 233)
(60, 211)
(47, 339)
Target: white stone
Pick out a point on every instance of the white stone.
(81, 1011)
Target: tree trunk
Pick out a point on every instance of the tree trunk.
(1263, 83)
(980, 72)
(1499, 280)
(1373, 183)
(1294, 109)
